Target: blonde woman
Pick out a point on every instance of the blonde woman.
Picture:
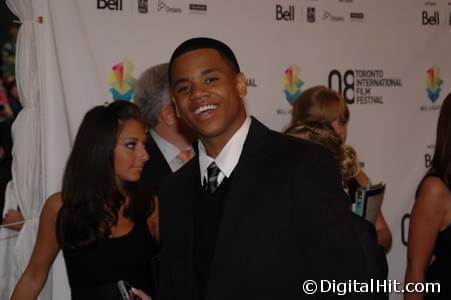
(322, 105)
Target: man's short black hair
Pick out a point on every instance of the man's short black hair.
(204, 43)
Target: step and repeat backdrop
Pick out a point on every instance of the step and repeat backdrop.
(390, 59)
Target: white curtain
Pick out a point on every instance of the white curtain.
(26, 131)
(50, 53)
(8, 240)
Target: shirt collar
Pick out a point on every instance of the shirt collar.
(168, 150)
(228, 158)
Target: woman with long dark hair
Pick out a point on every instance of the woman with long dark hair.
(429, 247)
(99, 220)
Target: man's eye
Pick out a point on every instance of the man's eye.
(182, 89)
(210, 80)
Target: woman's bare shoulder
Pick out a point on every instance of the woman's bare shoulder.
(433, 195)
(434, 187)
(53, 204)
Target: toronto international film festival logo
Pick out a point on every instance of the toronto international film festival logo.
(121, 81)
(362, 86)
(311, 14)
(292, 83)
(433, 83)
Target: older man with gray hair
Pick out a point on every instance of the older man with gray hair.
(169, 144)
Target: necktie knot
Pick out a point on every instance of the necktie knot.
(184, 155)
(212, 177)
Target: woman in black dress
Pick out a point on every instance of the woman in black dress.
(429, 247)
(100, 220)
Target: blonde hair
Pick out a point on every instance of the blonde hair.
(319, 104)
(324, 135)
(318, 133)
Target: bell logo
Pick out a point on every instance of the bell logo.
(286, 15)
(109, 4)
(431, 19)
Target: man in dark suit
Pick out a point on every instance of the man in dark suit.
(255, 213)
(169, 143)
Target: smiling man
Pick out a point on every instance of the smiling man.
(255, 213)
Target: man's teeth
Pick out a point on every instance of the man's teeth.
(204, 108)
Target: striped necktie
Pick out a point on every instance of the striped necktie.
(212, 174)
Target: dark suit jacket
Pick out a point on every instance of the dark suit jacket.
(156, 169)
(285, 220)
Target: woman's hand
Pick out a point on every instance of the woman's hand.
(154, 219)
(141, 294)
(11, 217)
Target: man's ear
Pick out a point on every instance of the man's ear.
(177, 112)
(241, 87)
(167, 115)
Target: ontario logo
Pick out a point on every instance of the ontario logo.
(433, 83)
(121, 81)
(168, 9)
(292, 83)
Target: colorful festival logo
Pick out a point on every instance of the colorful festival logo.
(433, 83)
(121, 81)
(292, 83)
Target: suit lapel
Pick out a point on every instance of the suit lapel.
(242, 189)
(158, 156)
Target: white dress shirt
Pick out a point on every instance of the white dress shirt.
(228, 158)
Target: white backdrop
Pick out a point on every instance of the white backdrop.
(383, 55)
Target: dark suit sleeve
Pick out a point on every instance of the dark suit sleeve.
(165, 290)
(326, 237)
